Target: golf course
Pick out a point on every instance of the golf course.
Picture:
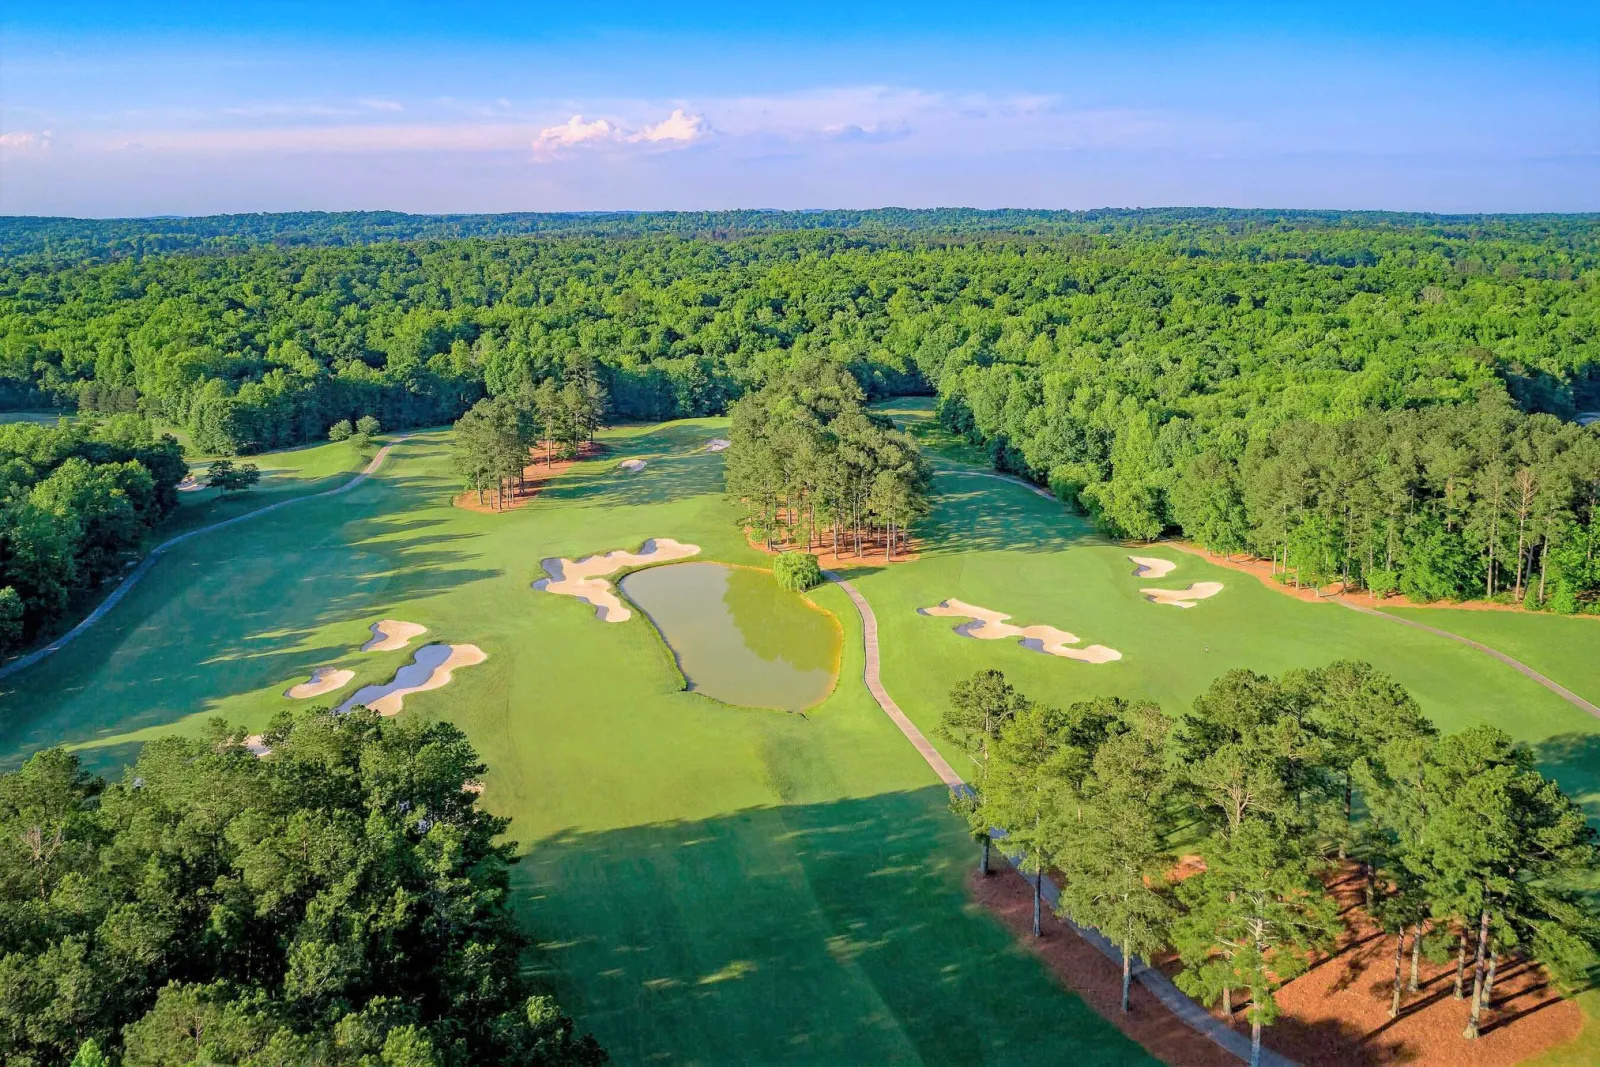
(771, 876)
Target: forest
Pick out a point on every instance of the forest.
(76, 501)
(1463, 849)
(1387, 401)
(342, 902)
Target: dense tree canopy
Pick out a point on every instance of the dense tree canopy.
(75, 503)
(341, 900)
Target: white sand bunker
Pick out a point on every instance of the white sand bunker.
(989, 625)
(1183, 598)
(632, 466)
(322, 680)
(257, 746)
(717, 444)
(391, 634)
(584, 579)
(1151, 567)
(430, 668)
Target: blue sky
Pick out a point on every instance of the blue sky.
(133, 109)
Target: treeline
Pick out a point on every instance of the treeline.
(75, 504)
(1044, 345)
(1464, 847)
(69, 240)
(495, 439)
(341, 901)
(1446, 502)
(806, 461)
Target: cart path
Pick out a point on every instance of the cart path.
(1159, 985)
(1515, 664)
(127, 584)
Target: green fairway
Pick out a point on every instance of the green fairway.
(711, 883)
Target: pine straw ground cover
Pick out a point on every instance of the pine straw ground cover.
(1335, 1015)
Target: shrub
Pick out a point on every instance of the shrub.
(797, 571)
(368, 426)
(340, 431)
(1383, 582)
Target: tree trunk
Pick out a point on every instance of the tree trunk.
(1416, 955)
(1488, 981)
(1255, 1042)
(1477, 976)
(983, 862)
(1461, 962)
(1399, 956)
(1544, 556)
(1038, 895)
(1127, 973)
(1227, 1004)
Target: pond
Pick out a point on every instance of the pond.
(737, 636)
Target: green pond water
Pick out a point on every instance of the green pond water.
(738, 636)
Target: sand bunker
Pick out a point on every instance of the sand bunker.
(1183, 598)
(584, 579)
(632, 466)
(717, 444)
(322, 680)
(391, 634)
(257, 746)
(989, 625)
(430, 668)
(1151, 567)
(189, 485)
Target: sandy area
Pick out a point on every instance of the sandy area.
(989, 625)
(717, 444)
(391, 634)
(256, 746)
(430, 668)
(632, 466)
(322, 680)
(584, 578)
(1151, 567)
(190, 485)
(1183, 598)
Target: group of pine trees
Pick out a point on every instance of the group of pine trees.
(496, 437)
(341, 901)
(808, 464)
(1464, 847)
(76, 501)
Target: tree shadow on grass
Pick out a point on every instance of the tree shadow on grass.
(813, 933)
(1574, 760)
(976, 514)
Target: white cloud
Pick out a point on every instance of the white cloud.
(677, 129)
(573, 132)
(376, 104)
(677, 126)
(25, 141)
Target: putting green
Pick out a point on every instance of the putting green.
(711, 883)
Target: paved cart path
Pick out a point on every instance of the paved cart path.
(1159, 985)
(127, 584)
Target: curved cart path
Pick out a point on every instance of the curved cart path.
(1515, 664)
(1159, 985)
(157, 552)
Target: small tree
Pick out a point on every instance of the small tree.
(368, 426)
(340, 431)
(797, 571)
(228, 477)
(11, 618)
(979, 709)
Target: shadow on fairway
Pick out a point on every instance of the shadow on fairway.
(1574, 759)
(813, 933)
(974, 513)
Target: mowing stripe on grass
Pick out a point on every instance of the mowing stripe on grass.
(127, 584)
(1159, 985)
